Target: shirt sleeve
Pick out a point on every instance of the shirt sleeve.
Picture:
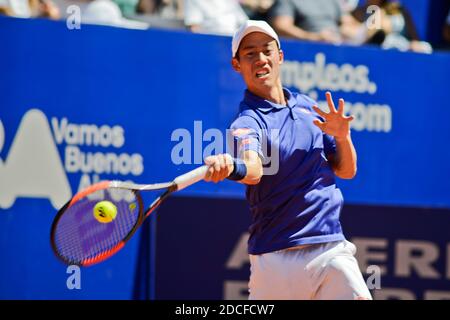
(282, 8)
(329, 144)
(339, 11)
(246, 135)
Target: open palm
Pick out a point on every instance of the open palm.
(336, 123)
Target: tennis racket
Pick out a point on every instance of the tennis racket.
(79, 238)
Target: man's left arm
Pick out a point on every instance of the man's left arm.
(336, 124)
(343, 162)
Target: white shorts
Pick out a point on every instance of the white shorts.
(325, 271)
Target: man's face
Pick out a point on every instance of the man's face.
(259, 62)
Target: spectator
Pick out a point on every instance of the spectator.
(396, 29)
(45, 9)
(257, 9)
(214, 16)
(446, 30)
(30, 9)
(16, 8)
(347, 6)
(106, 12)
(127, 7)
(315, 20)
(169, 9)
(5, 8)
(6, 11)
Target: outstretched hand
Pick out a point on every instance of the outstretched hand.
(336, 123)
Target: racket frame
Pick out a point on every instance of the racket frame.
(177, 184)
(107, 254)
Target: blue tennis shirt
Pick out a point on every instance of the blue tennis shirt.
(299, 202)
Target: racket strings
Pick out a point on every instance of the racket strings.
(80, 237)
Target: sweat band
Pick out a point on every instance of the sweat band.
(239, 170)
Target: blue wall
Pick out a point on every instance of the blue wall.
(55, 83)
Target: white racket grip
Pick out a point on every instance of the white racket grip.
(191, 177)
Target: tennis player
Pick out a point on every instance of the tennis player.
(297, 248)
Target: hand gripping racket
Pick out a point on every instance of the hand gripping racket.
(78, 237)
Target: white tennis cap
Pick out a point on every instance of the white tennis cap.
(252, 26)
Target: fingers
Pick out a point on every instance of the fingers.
(341, 106)
(219, 167)
(350, 118)
(320, 112)
(209, 161)
(320, 124)
(214, 166)
(330, 102)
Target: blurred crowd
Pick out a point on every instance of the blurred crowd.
(351, 22)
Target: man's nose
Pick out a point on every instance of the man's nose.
(261, 59)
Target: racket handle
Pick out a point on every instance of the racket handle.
(191, 177)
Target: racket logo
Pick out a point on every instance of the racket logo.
(101, 213)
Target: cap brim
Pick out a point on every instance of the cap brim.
(252, 29)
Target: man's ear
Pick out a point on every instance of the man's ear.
(281, 55)
(236, 65)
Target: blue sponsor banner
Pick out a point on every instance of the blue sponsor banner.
(403, 253)
(409, 247)
(78, 106)
(177, 89)
(400, 156)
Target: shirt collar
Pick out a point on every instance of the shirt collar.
(264, 105)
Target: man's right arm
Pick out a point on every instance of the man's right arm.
(222, 165)
(283, 13)
(285, 26)
(254, 168)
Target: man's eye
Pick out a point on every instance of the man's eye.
(249, 54)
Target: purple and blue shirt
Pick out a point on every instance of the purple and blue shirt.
(296, 201)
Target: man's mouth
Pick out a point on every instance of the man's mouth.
(262, 73)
